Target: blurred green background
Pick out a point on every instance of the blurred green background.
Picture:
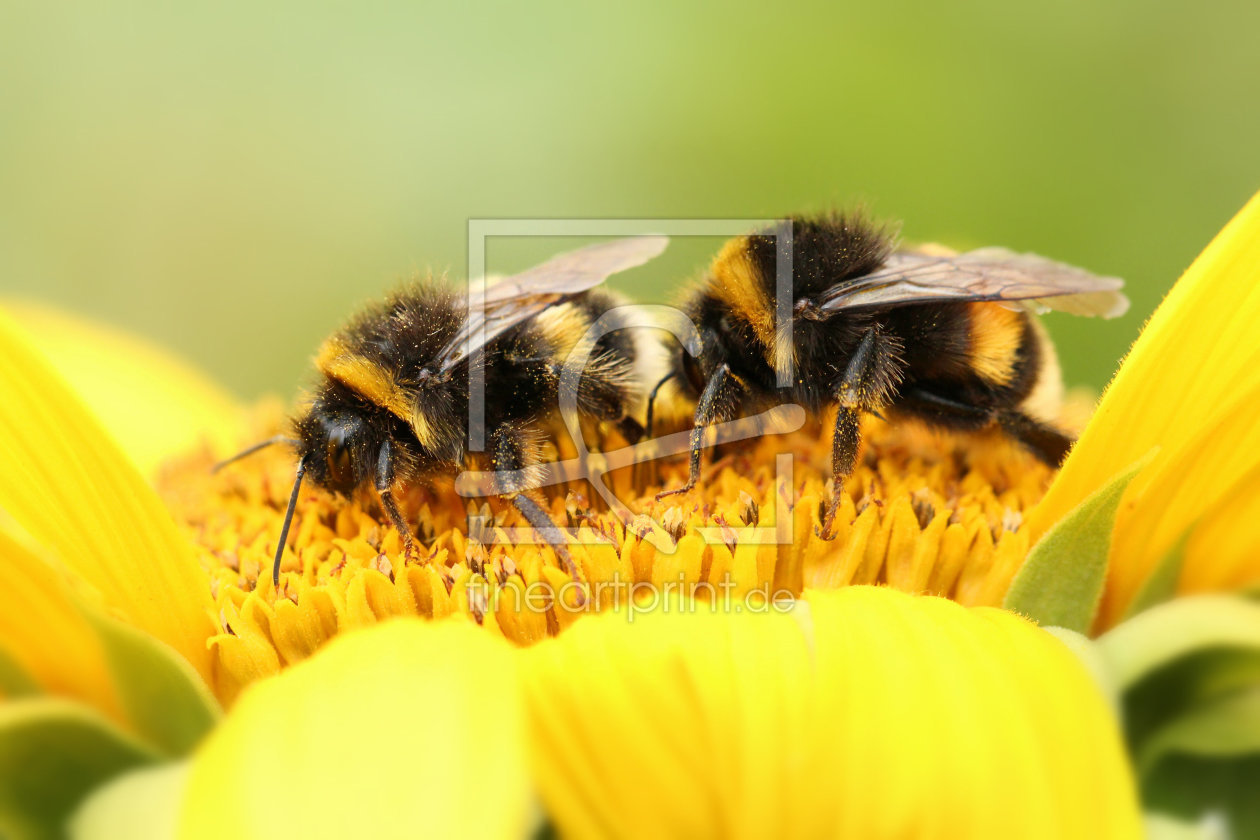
(231, 179)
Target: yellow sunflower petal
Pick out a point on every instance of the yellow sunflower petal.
(404, 729)
(1219, 555)
(865, 713)
(1196, 363)
(1175, 492)
(62, 643)
(71, 488)
(153, 404)
(1199, 348)
(45, 633)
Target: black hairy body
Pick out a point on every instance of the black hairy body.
(395, 400)
(386, 412)
(957, 356)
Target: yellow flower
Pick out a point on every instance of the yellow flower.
(409, 724)
(405, 730)
(738, 678)
(914, 516)
(862, 713)
(75, 494)
(1188, 393)
(152, 404)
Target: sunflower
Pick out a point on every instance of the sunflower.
(986, 648)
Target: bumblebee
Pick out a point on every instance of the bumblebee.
(943, 338)
(394, 398)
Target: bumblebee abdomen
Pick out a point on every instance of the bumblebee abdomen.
(613, 358)
(996, 336)
(1044, 397)
(1011, 353)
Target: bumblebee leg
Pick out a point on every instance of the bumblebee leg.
(538, 519)
(861, 388)
(630, 429)
(706, 411)
(845, 439)
(385, 489)
(1046, 442)
(512, 458)
(945, 411)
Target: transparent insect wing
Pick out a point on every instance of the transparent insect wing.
(987, 274)
(515, 299)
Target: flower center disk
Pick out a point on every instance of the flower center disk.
(923, 513)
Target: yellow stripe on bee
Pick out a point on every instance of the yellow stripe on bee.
(1045, 401)
(738, 282)
(372, 382)
(996, 333)
(563, 327)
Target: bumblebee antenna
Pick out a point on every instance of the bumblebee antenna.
(288, 520)
(637, 472)
(245, 453)
(651, 406)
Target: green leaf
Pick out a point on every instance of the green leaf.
(1225, 727)
(53, 752)
(1184, 626)
(1161, 584)
(140, 805)
(1189, 670)
(1217, 794)
(1179, 657)
(1191, 683)
(1061, 582)
(164, 697)
(1163, 827)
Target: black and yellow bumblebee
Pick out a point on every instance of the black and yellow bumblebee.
(853, 323)
(393, 402)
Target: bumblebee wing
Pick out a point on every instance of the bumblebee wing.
(518, 298)
(985, 274)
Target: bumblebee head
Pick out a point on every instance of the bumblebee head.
(339, 438)
(336, 448)
(695, 372)
(722, 335)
